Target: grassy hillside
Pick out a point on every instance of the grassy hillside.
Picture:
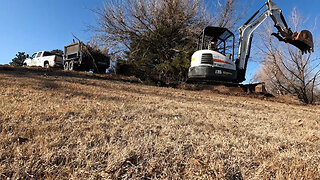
(72, 125)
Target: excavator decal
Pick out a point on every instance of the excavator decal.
(220, 61)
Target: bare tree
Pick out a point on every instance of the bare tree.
(285, 69)
(227, 14)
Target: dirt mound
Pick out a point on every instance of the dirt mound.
(234, 90)
(213, 88)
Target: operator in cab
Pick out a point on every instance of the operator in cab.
(213, 45)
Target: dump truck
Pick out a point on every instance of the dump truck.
(81, 57)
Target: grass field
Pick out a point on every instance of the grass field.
(59, 125)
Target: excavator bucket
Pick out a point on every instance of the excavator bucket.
(302, 40)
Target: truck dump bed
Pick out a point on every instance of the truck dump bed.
(72, 50)
(86, 58)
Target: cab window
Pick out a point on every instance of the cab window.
(39, 54)
(47, 54)
(34, 55)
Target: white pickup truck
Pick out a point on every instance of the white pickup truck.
(44, 59)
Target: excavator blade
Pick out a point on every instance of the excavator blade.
(302, 40)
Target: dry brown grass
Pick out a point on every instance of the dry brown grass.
(73, 126)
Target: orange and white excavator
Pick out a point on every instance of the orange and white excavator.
(216, 62)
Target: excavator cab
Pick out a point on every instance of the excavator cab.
(217, 39)
(214, 59)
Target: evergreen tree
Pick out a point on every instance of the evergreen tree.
(19, 59)
(57, 51)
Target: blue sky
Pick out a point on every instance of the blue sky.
(35, 25)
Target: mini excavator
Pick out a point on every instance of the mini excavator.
(217, 63)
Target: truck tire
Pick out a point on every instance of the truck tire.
(66, 66)
(71, 65)
(46, 64)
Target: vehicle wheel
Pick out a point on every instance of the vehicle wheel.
(71, 65)
(46, 65)
(66, 66)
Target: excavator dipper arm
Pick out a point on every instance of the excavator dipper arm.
(302, 40)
